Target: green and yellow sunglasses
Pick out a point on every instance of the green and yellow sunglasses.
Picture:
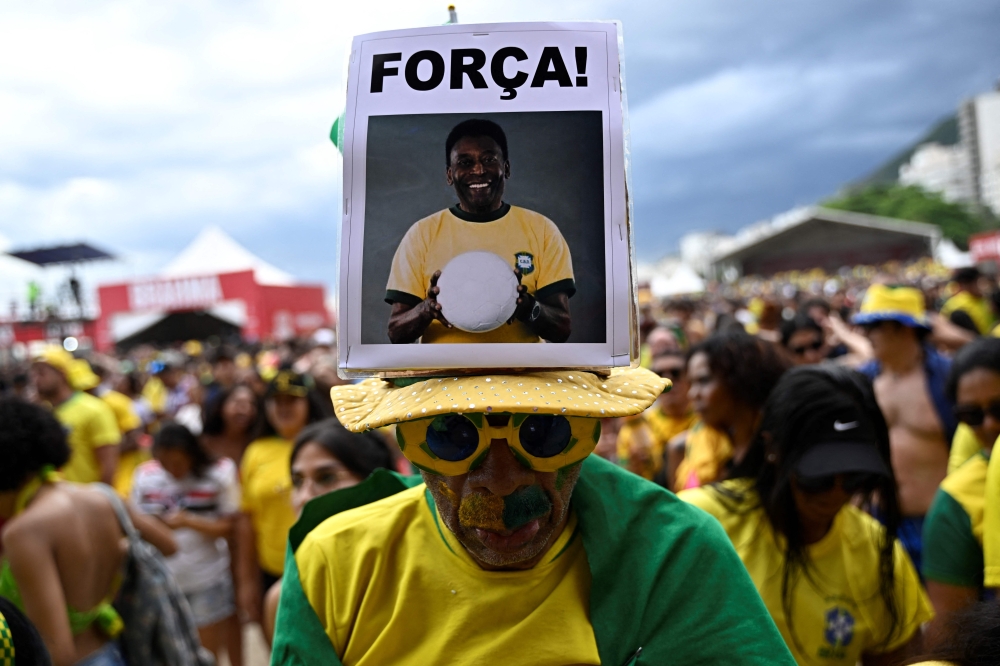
(453, 444)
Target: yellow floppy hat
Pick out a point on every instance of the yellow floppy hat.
(900, 304)
(81, 376)
(376, 402)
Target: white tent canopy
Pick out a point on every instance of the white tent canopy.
(681, 280)
(213, 251)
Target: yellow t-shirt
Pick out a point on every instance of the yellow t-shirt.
(658, 428)
(839, 615)
(267, 498)
(991, 523)
(90, 424)
(978, 310)
(392, 585)
(964, 445)
(125, 414)
(706, 453)
(155, 394)
(527, 240)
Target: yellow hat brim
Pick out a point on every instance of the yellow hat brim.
(375, 402)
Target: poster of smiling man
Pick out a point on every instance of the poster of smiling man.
(485, 214)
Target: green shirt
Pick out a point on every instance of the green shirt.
(953, 529)
(664, 578)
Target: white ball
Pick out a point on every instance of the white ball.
(478, 291)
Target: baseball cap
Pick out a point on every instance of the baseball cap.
(289, 382)
(841, 440)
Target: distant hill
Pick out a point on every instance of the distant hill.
(945, 132)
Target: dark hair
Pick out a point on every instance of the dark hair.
(747, 366)
(966, 275)
(318, 410)
(981, 353)
(223, 353)
(212, 420)
(814, 303)
(974, 637)
(28, 645)
(176, 436)
(30, 438)
(475, 127)
(798, 323)
(798, 396)
(361, 453)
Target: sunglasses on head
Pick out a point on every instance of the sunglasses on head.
(453, 444)
(851, 482)
(802, 349)
(974, 415)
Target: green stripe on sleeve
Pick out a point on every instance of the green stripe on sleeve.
(567, 285)
(951, 554)
(299, 637)
(395, 296)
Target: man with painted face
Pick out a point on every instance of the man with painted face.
(478, 168)
(514, 545)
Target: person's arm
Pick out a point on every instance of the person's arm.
(858, 346)
(213, 527)
(247, 571)
(107, 460)
(675, 451)
(153, 531)
(407, 322)
(947, 335)
(553, 322)
(270, 611)
(947, 600)
(33, 565)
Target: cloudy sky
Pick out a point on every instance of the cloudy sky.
(135, 125)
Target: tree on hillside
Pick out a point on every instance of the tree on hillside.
(957, 222)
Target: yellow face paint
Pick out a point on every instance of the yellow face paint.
(483, 511)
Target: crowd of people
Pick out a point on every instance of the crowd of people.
(839, 428)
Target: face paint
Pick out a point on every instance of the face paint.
(447, 492)
(498, 514)
(483, 511)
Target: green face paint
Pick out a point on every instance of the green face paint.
(523, 506)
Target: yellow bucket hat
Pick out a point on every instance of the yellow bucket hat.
(376, 402)
(900, 304)
(57, 357)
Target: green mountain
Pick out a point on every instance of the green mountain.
(944, 132)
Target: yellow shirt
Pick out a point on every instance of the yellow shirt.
(978, 310)
(267, 498)
(90, 424)
(125, 414)
(155, 394)
(392, 585)
(991, 523)
(658, 428)
(839, 615)
(527, 240)
(706, 453)
(964, 445)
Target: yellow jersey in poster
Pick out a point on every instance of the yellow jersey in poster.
(390, 584)
(527, 240)
(90, 424)
(266, 475)
(838, 614)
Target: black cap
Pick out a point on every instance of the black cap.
(840, 440)
(289, 382)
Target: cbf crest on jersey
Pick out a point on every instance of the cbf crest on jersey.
(512, 139)
(525, 262)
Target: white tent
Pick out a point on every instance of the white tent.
(214, 251)
(681, 280)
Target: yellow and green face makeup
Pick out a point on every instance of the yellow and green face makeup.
(454, 444)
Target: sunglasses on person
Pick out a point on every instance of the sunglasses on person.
(813, 346)
(673, 374)
(453, 444)
(851, 482)
(974, 415)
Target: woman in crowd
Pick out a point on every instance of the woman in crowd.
(197, 497)
(63, 546)
(229, 421)
(953, 529)
(327, 457)
(730, 376)
(837, 583)
(973, 639)
(262, 530)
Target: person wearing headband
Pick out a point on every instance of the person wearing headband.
(514, 545)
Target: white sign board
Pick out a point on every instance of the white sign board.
(474, 153)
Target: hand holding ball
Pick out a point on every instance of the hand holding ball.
(478, 291)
